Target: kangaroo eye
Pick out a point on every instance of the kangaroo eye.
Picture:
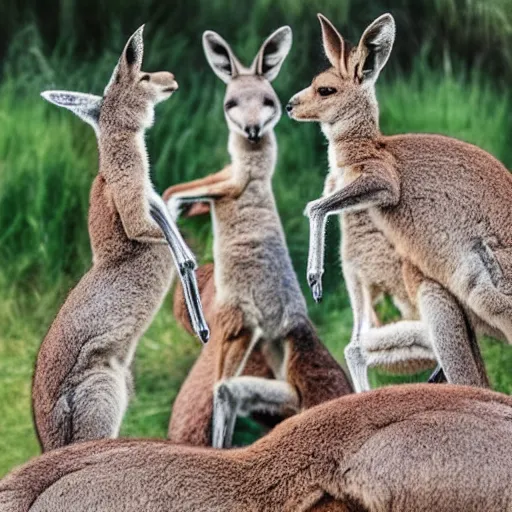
(145, 78)
(326, 91)
(230, 104)
(269, 102)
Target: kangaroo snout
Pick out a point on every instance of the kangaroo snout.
(253, 133)
(171, 84)
(294, 101)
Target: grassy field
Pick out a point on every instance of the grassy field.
(48, 159)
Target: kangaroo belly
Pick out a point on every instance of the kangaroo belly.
(368, 252)
(253, 271)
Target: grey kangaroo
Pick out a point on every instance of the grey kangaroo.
(82, 377)
(258, 303)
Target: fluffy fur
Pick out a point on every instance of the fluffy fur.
(417, 447)
(82, 378)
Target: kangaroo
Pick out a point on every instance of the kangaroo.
(443, 204)
(258, 300)
(82, 378)
(193, 408)
(191, 420)
(371, 268)
(411, 447)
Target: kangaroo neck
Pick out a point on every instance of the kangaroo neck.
(256, 159)
(355, 131)
(351, 146)
(122, 154)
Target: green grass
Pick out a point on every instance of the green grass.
(48, 159)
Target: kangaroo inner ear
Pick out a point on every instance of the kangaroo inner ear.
(220, 56)
(334, 45)
(133, 51)
(375, 47)
(272, 53)
(86, 106)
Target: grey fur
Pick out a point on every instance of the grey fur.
(82, 380)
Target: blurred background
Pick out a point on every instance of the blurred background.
(450, 72)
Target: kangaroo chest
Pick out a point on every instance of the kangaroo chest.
(253, 270)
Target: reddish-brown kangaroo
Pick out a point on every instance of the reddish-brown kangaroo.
(413, 447)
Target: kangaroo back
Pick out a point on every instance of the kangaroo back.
(416, 447)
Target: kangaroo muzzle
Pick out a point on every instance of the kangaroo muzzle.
(253, 133)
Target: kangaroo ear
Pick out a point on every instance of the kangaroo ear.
(134, 51)
(375, 47)
(220, 56)
(334, 45)
(130, 62)
(85, 106)
(272, 53)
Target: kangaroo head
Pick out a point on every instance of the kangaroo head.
(251, 105)
(129, 98)
(346, 91)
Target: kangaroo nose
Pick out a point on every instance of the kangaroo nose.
(292, 103)
(253, 133)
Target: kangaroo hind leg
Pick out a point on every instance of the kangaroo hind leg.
(362, 311)
(98, 404)
(244, 395)
(450, 331)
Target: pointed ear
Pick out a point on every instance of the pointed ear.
(334, 45)
(272, 53)
(86, 106)
(131, 58)
(375, 47)
(220, 56)
(130, 62)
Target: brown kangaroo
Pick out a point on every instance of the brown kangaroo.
(82, 377)
(258, 301)
(372, 268)
(413, 447)
(443, 204)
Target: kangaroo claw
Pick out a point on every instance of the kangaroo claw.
(193, 301)
(317, 292)
(315, 284)
(438, 377)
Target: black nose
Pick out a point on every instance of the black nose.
(253, 133)
(289, 107)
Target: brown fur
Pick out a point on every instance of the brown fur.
(442, 204)
(412, 447)
(311, 370)
(82, 377)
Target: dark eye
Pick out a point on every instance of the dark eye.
(230, 104)
(145, 78)
(326, 91)
(269, 102)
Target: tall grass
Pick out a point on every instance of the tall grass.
(471, 31)
(48, 159)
